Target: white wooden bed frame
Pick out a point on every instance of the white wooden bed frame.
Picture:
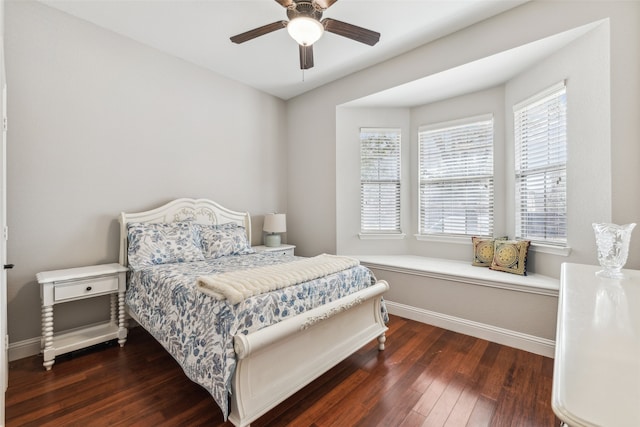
(277, 361)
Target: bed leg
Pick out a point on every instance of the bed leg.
(381, 340)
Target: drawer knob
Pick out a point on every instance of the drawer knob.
(88, 288)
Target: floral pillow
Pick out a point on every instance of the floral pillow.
(160, 243)
(222, 240)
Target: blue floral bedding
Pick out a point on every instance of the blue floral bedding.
(198, 330)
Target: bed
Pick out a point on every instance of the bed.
(250, 351)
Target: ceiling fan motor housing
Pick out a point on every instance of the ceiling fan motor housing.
(308, 30)
(304, 8)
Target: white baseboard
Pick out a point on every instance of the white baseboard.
(22, 349)
(31, 347)
(530, 343)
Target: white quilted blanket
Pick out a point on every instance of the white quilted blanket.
(235, 286)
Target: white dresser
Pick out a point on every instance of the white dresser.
(596, 379)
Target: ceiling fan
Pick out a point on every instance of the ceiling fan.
(305, 27)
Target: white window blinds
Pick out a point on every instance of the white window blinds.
(541, 164)
(456, 177)
(379, 180)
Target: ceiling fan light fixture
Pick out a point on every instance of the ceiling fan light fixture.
(304, 30)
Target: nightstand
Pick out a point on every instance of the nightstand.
(282, 249)
(73, 284)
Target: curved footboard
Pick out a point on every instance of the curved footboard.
(277, 361)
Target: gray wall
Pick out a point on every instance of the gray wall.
(602, 69)
(521, 313)
(584, 66)
(348, 123)
(99, 124)
(312, 195)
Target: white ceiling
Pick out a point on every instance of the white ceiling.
(198, 31)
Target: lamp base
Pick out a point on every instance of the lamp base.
(272, 240)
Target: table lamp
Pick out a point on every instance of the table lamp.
(273, 225)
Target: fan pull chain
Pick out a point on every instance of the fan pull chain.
(304, 61)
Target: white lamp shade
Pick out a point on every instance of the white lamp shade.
(275, 223)
(306, 31)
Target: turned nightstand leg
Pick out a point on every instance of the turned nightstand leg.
(114, 308)
(48, 352)
(122, 329)
(381, 340)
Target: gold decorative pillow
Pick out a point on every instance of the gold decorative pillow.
(483, 250)
(510, 256)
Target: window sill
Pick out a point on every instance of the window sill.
(535, 247)
(548, 249)
(381, 236)
(443, 239)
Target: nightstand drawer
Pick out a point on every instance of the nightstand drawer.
(84, 288)
(283, 251)
(280, 250)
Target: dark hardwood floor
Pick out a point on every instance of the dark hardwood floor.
(427, 376)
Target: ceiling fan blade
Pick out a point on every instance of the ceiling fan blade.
(285, 3)
(324, 4)
(351, 31)
(306, 56)
(257, 32)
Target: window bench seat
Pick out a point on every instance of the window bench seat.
(519, 311)
(462, 271)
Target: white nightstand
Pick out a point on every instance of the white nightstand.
(282, 249)
(74, 284)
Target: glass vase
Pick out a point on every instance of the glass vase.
(612, 241)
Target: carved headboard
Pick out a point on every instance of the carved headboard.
(202, 211)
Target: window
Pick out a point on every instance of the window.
(456, 177)
(380, 181)
(541, 166)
